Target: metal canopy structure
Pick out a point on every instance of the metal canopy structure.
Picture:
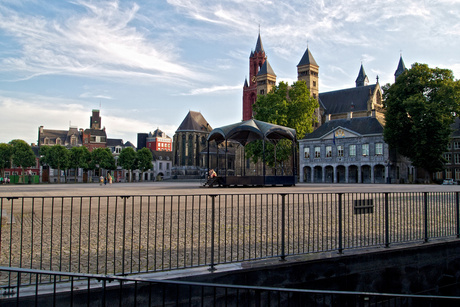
(246, 132)
(251, 130)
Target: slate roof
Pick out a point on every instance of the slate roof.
(362, 77)
(95, 132)
(194, 121)
(158, 133)
(259, 46)
(307, 59)
(114, 142)
(266, 69)
(162, 155)
(360, 125)
(401, 67)
(340, 101)
(129, 144)
(63, 135)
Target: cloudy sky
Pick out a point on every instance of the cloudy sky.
(145, 63)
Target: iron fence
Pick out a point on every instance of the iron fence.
(134, 234)
(99, 290)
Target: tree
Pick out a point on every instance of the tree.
(127, 159)
(144, 160)
(6, 154)
(420, 108)
(289, 106)
(80, 157)
(102, 158)
(23, 155)
(59, 158)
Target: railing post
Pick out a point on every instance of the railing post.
(387, 222)
(213, 219)
(124, 235)
(457, 212)
(425, 216)
(340, 224)
(283, 227)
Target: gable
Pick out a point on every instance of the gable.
(340, 133)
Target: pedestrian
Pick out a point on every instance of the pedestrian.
(1, 180)
(110, 179)
(101, 180)
(105, 180)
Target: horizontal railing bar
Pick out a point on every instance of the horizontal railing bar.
(216, 285)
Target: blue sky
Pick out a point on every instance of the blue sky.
(145, 64)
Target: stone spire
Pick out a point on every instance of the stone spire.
(362, 79)
(401, 68)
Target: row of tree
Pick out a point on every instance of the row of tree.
(58, 157)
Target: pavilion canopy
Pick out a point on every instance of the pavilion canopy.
(251, 130)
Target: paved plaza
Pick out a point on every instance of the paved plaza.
(195, 188)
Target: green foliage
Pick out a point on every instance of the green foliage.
(59, 158)
(22, 154)
(80, 157)
(289, 106)
(6, 154)
(127, 158)
(144, 160)
(56, 156)
(102, 158)
(420, 108)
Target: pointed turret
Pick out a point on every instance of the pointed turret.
(246, 82)
(266, 69)
(266, 79)
(401, 68)
(362, 79)
(259, 46)
(308, 71)
(307, 59)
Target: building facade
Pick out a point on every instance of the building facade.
(188, 142)
(351, 150)
(158, 141)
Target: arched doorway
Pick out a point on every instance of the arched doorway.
(329, 174)
(318, 174)
(352, 174)
(307, 174)
(379, 173)
(366, 176)
(341, 174)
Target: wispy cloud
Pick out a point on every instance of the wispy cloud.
(213, 89)
(100, 41)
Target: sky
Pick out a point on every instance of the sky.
(145, 64)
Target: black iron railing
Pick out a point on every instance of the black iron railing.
(99, 290)
(133, 234)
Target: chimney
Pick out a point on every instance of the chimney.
(350, 115)
(373, 113)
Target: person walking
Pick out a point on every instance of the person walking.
(101, 180)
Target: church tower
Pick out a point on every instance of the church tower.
(401, 68)
(362, 79)
(265, 79)
(307, 70)
(256, 61)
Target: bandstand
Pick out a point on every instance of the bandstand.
(244, 133)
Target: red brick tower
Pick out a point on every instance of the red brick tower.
(256, 60)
